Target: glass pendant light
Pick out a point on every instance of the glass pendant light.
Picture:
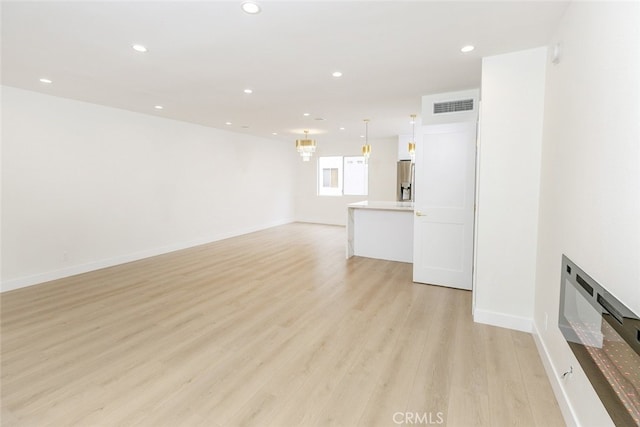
(366, 148)
(412, 143)
(306, 147)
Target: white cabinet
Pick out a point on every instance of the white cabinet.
(382, 230)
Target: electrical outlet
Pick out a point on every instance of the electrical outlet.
(567, 374)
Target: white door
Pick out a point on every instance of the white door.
(444, 205)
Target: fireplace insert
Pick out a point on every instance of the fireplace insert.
(604, 335)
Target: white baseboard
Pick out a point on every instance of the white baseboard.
(554, 378)
(22, 282)
(321, 222)
(518, 323)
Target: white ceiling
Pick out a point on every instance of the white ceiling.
(203, 54)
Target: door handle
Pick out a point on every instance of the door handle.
(418, 213)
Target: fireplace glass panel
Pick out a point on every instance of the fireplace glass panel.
(604, 335)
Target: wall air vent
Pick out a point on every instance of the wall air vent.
(450, 107)
(453, 106)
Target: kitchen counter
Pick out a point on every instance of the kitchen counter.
(385, 206)
(380, 229)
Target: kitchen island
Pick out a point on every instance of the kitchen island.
(382, 230)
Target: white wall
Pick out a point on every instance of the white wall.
(590, 188)
(310, 207)
(86, 186)
(508, 173)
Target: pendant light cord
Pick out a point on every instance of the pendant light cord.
(413, 124)
(366, 131)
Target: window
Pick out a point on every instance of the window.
(356, 176)
(339, 175)
(330, 176)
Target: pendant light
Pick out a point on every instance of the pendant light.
(306, 147)
(412, 143)
(366, 148)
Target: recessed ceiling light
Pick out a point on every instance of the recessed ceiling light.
(306, 114)
(47, 81)
(341, 128)
(139, 48)
(228, 123)
(274, 133)
(251, 7)
(248, 91)
(467, 49)
(336, 74)
(158, 107)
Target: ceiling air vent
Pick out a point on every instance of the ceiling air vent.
(453, 106)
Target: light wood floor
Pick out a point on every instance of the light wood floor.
(274, 328)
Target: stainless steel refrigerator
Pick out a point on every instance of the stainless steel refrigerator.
(404, 185)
